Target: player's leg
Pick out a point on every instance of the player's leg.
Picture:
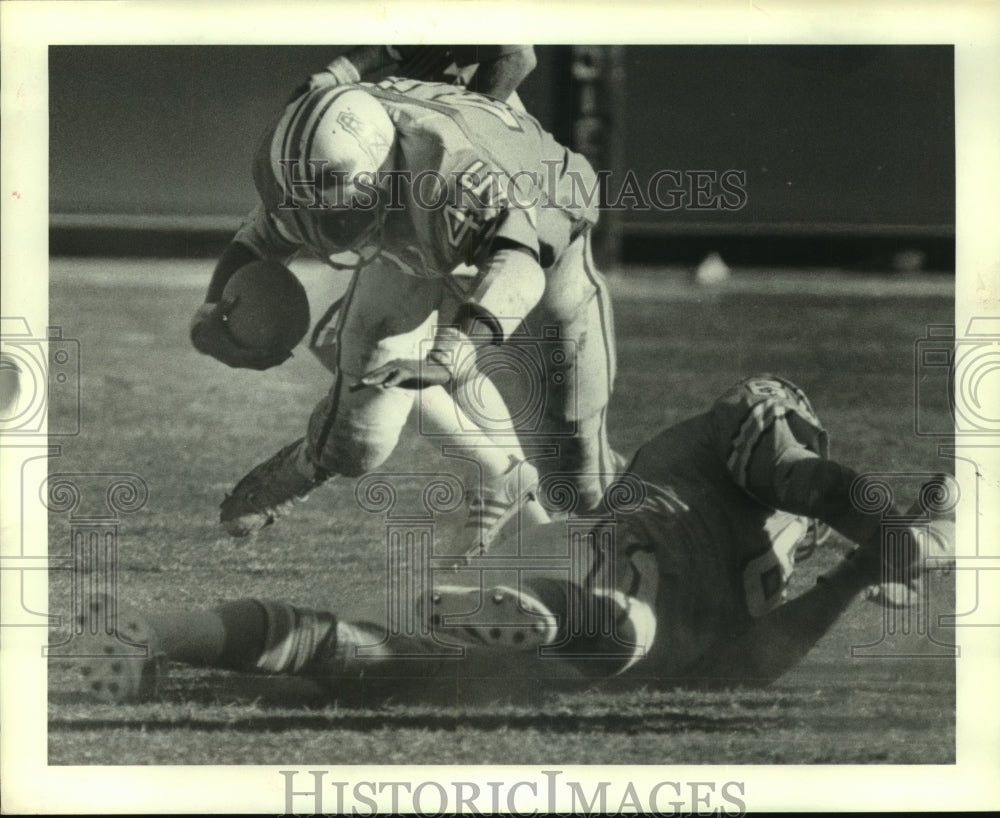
(473, 423)
(246, 635)
(574, 327)
(599, 619)
(779, 456)
(384, 315)
(806, 484)
(503, 483)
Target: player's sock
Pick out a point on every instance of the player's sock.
(586, 459)
(231, 636)
(245, 624)
(278, 638)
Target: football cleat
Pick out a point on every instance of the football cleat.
(118, 657)
(498, 617)
(496, 502)
(268, 492)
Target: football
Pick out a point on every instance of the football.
(271, 310)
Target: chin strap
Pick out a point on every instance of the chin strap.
(366, 254)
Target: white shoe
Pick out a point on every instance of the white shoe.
(268, 492)
(117, 656)
(497, 502)
(499, 617)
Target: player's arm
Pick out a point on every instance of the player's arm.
(501, 68)
(485, 230)
(510, 283)
(778, 641)
(793, 478)
(257, 238)
(779, 457)
(359, 62)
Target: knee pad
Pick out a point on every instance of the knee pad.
(812, 486)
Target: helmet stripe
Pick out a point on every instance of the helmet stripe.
(313, 127)
(299, 128)
(282, 136)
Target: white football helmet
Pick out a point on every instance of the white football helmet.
(325, 155)
(339, 131)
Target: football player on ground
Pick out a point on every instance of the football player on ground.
(686, 586)
(411, 180)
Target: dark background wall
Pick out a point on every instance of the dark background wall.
(825, 134)
(841, 139)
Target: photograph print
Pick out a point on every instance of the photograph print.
(539, 405)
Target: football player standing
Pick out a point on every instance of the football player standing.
(412, 180)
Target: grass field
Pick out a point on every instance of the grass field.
(189, 428)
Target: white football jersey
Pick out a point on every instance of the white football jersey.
(474, 170)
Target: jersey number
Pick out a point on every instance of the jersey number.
(484, 192)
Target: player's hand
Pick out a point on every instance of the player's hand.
(897, 569)
(210, 336)
(406, 374)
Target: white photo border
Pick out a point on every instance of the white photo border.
(29, 28)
